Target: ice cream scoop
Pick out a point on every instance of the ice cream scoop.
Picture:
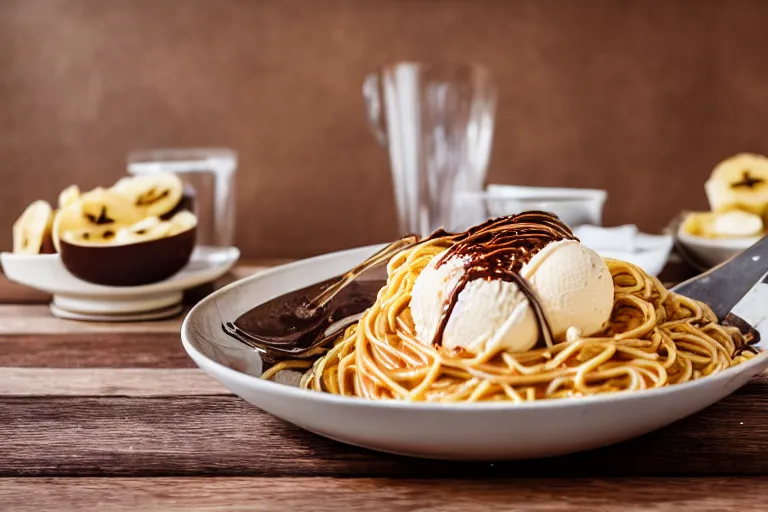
(568, 282)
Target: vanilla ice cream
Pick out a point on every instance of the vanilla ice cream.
(573, 285)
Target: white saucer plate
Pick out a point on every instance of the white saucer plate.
(478, 431)
(46, 272)
(146, 316)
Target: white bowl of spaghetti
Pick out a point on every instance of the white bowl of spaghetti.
(669, 360)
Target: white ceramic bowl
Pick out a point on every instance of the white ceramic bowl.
(480, 431)
(708, 252)
(574, 206)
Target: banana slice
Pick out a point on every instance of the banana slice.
(153, 228)
(104, 234)
(154, 194)
(67, 219)
(94, 218)
(182, 221)
(32, 231)
(68, 196)
(104, 206)
(731, 224)
(740, 182)
(147, 229)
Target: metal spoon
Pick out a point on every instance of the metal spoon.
(378, 258)
(271, 350)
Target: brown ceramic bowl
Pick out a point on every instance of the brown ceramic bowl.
(131, 264)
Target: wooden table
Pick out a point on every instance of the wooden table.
(122, 408)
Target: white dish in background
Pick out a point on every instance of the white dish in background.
(710, 252)
(649, 252)
(46, 272)
(146, 316)
(574, 206)
(479, 431)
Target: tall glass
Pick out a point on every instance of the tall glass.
(210, 173)
(436, 120)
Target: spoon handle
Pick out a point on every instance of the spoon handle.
(381, 256)
(723, 286)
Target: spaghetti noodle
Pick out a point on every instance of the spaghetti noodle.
(654, 338)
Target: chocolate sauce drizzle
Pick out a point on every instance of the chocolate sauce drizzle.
(497, 250)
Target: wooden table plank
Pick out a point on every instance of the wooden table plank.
(268, 494)
(107, 382)
(94, 350)
(37, 319)
(220, 435)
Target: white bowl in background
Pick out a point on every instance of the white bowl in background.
(651, 253)
(709, 252)
(479, 431)
(574, 206)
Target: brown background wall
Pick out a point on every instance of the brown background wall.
(640, 97)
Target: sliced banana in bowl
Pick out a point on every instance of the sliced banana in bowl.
(737, 191)
(32, 230)
(148, 251)
(710, 238)
(134, 233)
(93, 217)
(728, 224)
(155, 195)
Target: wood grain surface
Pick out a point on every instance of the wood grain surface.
(94, 350)
(269, 494)
(116, 417)
(37, 320)
(107, 382)
(223, 435)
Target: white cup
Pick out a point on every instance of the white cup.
(574, 206)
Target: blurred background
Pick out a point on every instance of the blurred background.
(640, 98)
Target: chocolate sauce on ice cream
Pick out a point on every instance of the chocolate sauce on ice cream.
(496, 249)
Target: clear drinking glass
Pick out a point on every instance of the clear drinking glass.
(210, 172)
(436, 120)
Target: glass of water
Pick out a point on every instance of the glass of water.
(436, 121)
(210, 173)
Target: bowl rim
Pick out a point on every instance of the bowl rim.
(736, 243)
(542, 194)
(258, 384)
(178, 279)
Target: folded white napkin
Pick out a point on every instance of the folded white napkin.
(649, 252)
